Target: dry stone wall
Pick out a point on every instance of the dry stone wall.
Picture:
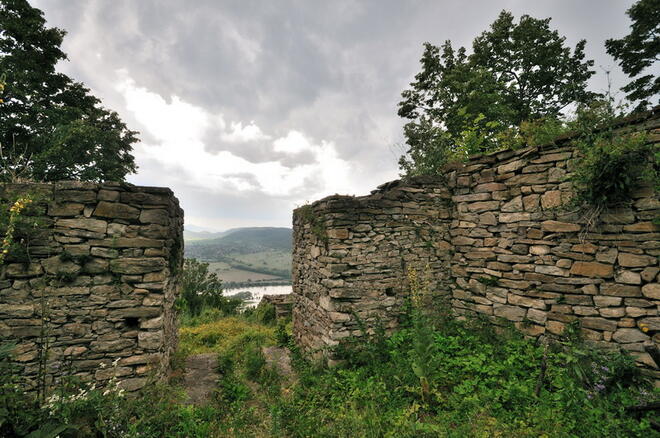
(509, 247)
(352, 255)
(94, 298)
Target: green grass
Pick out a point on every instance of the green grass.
(432, 378)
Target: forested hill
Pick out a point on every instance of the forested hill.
(241, 241)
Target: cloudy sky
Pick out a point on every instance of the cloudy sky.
(248, 109)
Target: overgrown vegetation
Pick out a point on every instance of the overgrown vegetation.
(612, 163)
(435, 377)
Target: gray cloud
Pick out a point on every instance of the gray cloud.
(333, 71)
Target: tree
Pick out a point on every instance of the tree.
(53, 122)
(203, 289)
(471, 103)
(639, 51)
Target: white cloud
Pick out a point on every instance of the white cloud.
(293, 143)
(243, 134)
(178, 129)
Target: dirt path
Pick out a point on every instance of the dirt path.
(201, 377)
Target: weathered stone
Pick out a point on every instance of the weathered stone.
(531, 202)
(155, 216)
(337, 233)
(150, 340)
(648, 274)
(551, 199)
(546, 158)
(635, 261)
(511, 313)
(650, 324)
(620, 290)
(560, 227)
(613, 312)
(137, 265)
(481, 206)
(551, 270)
(104, 252)
(489, 187)
(116, 210)
(628, 277)
(513, 206)
(598, 323)
(652, 291)
(56, 265)
(629, 335)
(66, 209)
(602, 301)
(520, 300)
(23, 270)
(555, 327)
(514, 217)
(585, 248)
(592, 269)
(135, 312)
(17, 310)
(607, 256)
(108, 195)
(539, 249)
(93, 225)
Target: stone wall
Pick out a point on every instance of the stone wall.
(509, 247)
(351, 257)
(99, 284)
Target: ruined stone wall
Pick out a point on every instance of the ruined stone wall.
(516, 251)
(352, 255)
(99, 283)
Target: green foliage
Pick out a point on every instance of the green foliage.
(20, 226)
(57, 129)
(638, 52)
(201, 289)
(611, 164)
(461, 104)
(265, 313)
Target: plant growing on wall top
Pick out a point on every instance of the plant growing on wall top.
(612, 163)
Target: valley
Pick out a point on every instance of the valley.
(244, 257)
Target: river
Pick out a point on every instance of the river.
(259, 291)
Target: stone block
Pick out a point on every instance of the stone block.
(628, 277)
(514, 217)
(150, 340)
(560, 227)
(116, 210)
(651, 291)
(620, 290)
(551, 199)
(137, 265)
(597, 323)
(511, 313)
(155, 216)
(592, 269)
(629, 335)
(635, 261)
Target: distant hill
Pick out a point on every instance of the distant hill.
(240, 241)
(191, 236)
